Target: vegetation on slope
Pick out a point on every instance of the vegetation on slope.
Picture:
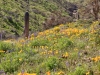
(70, 49)
(67, 49)
(12, 15)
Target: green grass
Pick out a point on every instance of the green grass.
(12, 15)
(53, 51)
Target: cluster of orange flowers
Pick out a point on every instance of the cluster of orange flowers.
(94, 27)
(46, 32)
(60, 73)
(26, 74)
(88, 73)
(2, 51)
(49, 52)
(48, 73)
(73, 31)
(65, 55)
(95, 59)
(59, 30)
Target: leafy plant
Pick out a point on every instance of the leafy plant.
(52, 63)
(80, 44)
(79, 71)
(40, 42)
(11, 64)
(5, 46)
(98, 66)
(64, 43)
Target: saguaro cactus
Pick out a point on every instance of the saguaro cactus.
(26, 29)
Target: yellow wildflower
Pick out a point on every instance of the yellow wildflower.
(60, 73)
(88, 73)
(20, 59)
(2, 51)
(99, 57)
(75, 49)
(65, 55)
(57, 29)
(96, 58)
(26, 74)
(20, 51)
(7, 41)
(48, 73)
(56, 52)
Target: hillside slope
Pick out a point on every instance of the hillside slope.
(12, 15)
(67, 49)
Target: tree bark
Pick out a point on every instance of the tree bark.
(26, 29)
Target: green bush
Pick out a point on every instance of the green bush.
(5, 46)
(64, 43)
(79, 71)
(52, 63)
(97, 38)
(80, 44)
(11, 62)
(98, 65)
(40, 42)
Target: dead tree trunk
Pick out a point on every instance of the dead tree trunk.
(76, 15)
(26, 29)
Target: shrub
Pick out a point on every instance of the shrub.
(5, 46)
(80, 44)
(64, 43)
(97, 38)
(52, 63)
(11, 62)
(40, 42)
(98, 65)
(79, 71)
